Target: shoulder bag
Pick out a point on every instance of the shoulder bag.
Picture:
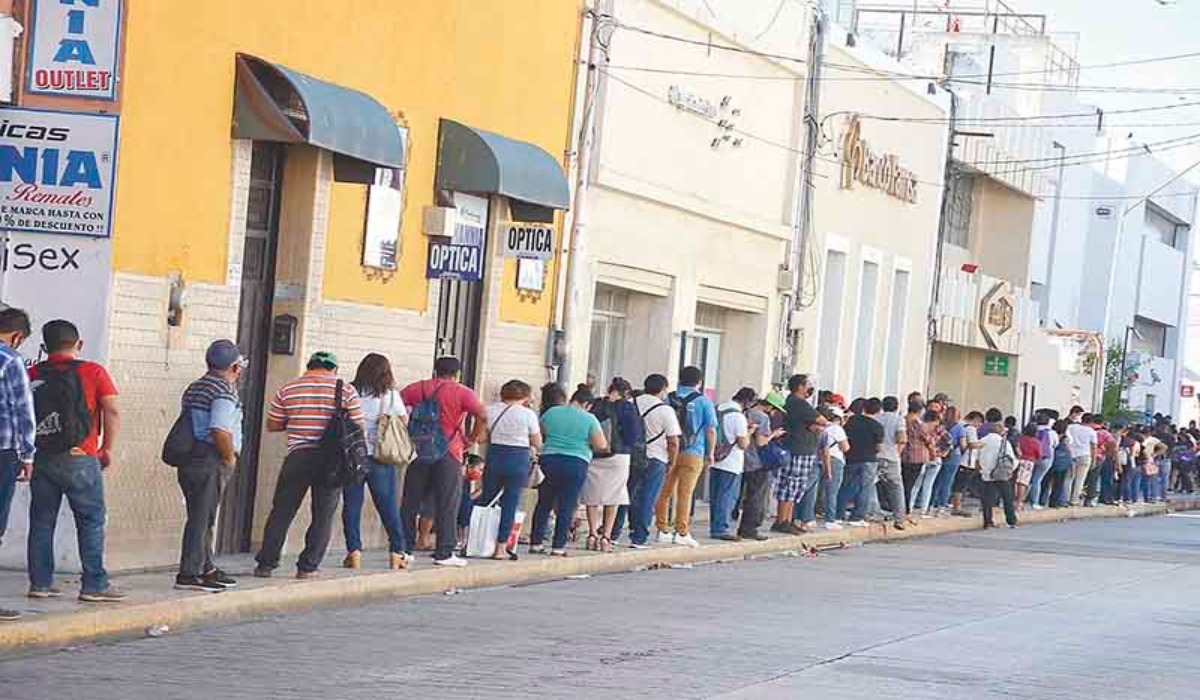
(393, 444)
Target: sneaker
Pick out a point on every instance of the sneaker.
(756, 536)
(1039, 506)
(926, 516)
(453, 560)
(666, 537)
(7, 615)
(307, 575)
(686, 541)
(833, 525)
(639, 545)
(262, 572)
(810, 525)
(858, 523)
(220, 577)
(41, 593)
(197, 583)
(108, 595)
(727, 537)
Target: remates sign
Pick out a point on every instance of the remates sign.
(74, 48)
(529, 241)
(461, 257)
(57, 172)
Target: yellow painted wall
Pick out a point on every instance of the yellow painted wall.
(502, 65)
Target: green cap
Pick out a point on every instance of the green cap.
(324, 357)
(775, 399)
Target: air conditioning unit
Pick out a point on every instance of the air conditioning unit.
(439, 221)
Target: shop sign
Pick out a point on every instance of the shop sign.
(529, 241)
(385, 209)
(995, 365)
(57, 172)
(461, 258)
(74, 48)
(881, 171)
(997, 314)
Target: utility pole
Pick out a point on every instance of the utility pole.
(578, 279)
(789, 335)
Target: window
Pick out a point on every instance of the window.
(958, 213)
(864, 328)
(607, 348)
(895, 333)
(829, 341)
(1151, 400)
(1161, 226)
(1149, 337)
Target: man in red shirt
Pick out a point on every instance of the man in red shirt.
(76, 406)
(438, 470)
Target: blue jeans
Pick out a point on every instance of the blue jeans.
(79, 478)
(381, 479)
(1108, 481)
(559, 492)
(858, 485)
(10, 467)
(1131, 484)
(644, 486)
(724, 487)
(506, 474)
(831, 486)
(1164, 477)
(943, 487)
(922, 492)
(1040, 467)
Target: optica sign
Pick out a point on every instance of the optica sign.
(74, 48)
(57, 172)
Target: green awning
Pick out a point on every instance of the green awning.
(474, 160)
(274, 103)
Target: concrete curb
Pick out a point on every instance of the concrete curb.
(64, 629)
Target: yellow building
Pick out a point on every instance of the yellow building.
(249, 134)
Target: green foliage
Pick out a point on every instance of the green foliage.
(1119, 373)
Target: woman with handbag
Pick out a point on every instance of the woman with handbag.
(513, 435)
(605, 489)
(997, 463)
(571, 434)
(387, 441)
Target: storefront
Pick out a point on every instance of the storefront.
(305, 176)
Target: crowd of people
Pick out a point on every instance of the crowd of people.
(633, 457)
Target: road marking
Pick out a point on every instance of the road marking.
(1183, 515)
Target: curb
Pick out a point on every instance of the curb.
(65, 629)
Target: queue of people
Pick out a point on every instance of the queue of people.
(633, 457)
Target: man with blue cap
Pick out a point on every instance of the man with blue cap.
(216, 413)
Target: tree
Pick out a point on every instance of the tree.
(1120, 373)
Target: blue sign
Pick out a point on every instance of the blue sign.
(461, 256)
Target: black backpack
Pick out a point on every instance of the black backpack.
(680, 405)
(344, 447)
(63, 418)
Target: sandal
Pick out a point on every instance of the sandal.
(606, 544)
(512, 556)
(593, 542)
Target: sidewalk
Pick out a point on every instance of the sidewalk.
(153, 602)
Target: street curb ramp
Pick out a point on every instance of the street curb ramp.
(56, 630)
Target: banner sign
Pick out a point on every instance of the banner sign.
(461, 258)
(57, 172)
(74, 48)
(531, 241)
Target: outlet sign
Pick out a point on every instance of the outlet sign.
(74, 48)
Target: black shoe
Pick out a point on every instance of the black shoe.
(728, 537)
(756, 536)
(262, 572)
(221, 578)
(197, 583)
(9, 615)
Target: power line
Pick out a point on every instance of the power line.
(1106, 154)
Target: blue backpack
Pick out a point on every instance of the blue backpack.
(425, 428)
(1062, 459)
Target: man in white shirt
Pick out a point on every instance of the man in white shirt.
(725, 477)
(1083, 449)
(648, 467)
(996, 486)
(895, 436)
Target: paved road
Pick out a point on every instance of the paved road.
(1093, 609)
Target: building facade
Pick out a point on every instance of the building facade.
(304, 176)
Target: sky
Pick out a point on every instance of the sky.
(1109, 31)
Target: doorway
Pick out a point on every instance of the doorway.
(460, 302)
(254, 327)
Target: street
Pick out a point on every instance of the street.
(1086, 609)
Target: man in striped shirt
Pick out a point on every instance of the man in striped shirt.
(17, 421)
(303, 409)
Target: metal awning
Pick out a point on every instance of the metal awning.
(474, 160)
(274, 103)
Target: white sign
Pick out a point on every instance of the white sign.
(385, 208)
(74, 48)
(57, 172)
(532, 241)
(531, 275)
(461, 257)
